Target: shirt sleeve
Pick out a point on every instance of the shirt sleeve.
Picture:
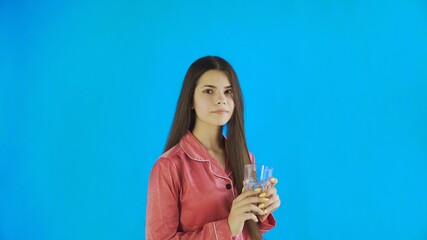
(268, 224)
(162, 220)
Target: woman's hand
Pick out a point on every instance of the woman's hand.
(273, 200)
(244, 207)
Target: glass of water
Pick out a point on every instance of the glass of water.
(257, 176)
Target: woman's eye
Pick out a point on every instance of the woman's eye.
(208, 91)
(229, 92)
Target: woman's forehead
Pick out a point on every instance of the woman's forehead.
(214, 78)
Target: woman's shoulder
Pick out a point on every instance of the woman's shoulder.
(172, 153)
(167, 169)
(171, 156)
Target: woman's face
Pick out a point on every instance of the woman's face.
(213, 99)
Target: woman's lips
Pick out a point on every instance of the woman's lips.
(220, 111)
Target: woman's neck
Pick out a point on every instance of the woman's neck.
(209, 136)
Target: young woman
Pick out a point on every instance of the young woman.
(196, 186)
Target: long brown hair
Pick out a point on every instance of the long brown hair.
(184, 120)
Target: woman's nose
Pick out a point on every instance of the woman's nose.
(221, 100)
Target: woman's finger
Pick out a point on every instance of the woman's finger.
(249, 208)
(246, 194)
(274, 181)
(270, 192)
(249, 200)
(271, 200)
(272, 207)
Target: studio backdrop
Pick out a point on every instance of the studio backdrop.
(335, 99)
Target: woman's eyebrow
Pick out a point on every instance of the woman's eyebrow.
(212, 86)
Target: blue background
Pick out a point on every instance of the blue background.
(335, 94)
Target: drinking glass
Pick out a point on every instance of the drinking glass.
(257, 176)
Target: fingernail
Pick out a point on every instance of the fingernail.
(262, 195)
(265, 199)
(274, 180)
(261, 205)
(257, 189)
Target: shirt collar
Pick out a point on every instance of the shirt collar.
(194, 149)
